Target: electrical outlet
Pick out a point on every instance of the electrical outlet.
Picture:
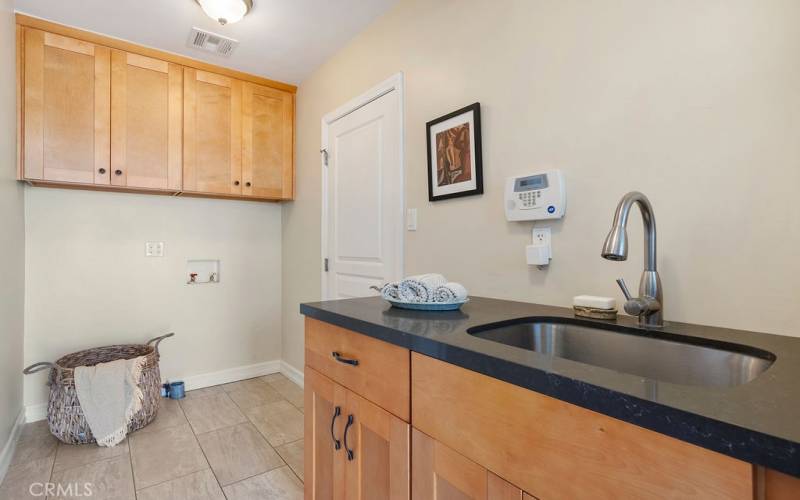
(541, 236)
(154, 249)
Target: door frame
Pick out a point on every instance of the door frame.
(391, 84)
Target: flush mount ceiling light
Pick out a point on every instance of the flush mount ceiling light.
(226, 11)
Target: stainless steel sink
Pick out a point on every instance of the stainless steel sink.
(657, 356)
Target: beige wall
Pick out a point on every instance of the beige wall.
(12, 238)
(694, 103)
(90, 284)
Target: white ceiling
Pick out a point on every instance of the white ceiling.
(280, 39)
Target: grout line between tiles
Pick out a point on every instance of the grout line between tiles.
(209, 463)
(283, 464)
(97, 461)
(133, 477)
(53, 465)
(173, 479)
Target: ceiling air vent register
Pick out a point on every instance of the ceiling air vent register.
(212, 42)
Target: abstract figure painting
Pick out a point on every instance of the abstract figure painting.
(455, 167)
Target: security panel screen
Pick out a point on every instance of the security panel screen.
(530, 183)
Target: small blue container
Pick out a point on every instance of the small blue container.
(176, 390)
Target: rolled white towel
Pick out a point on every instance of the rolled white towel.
(391, 291)
(450, 292)
(420, 288)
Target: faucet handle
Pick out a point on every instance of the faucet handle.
(624, 287)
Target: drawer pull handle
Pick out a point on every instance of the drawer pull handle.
(336, 412)
(338, 357)
(346, 429)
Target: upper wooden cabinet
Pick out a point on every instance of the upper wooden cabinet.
(268, 142)
(212, 133)
(146, 101)
(66, 108)
(95, 111)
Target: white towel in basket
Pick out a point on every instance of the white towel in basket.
(110, 396)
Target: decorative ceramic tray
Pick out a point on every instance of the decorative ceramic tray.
(428, 306)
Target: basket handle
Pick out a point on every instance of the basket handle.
(37, 367)
(158, 340)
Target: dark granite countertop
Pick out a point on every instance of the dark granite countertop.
(758, 422)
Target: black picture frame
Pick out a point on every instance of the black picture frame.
(475, 138)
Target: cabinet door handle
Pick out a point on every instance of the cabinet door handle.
(350, 454)
(235, 183)
(102, 170)
(336, 412)
(338, 357)
(247, 184)
(117, 172)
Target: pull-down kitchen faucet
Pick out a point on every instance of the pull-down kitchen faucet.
(649, 306)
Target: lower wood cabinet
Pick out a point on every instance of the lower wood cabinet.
(556, 450)
(354, 449)
(478, 438)
(439, 473)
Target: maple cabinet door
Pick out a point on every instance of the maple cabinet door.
(66, 109)
(377, 452)
(324, 460)
(268, 142)
(212, 133)
(146, 122)
(439, 473)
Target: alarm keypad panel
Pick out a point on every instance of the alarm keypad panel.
(536, 196)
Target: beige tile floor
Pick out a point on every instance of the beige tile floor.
(236, 441)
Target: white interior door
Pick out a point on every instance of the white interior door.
(363, 221)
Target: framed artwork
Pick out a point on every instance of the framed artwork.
(455, 166)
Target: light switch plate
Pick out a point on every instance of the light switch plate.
(411, 219)
(154, 249)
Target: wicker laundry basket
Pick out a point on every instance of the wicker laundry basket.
(64, 413)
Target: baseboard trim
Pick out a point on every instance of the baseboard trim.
(11, 444)
(232, 375)
(292, 373)
(36, 412)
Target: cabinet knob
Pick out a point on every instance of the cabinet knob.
(117, 172)
(248, 184)
(235, 183)
(101, 170)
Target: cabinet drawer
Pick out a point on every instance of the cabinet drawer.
(556, 450)
(381, 375)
